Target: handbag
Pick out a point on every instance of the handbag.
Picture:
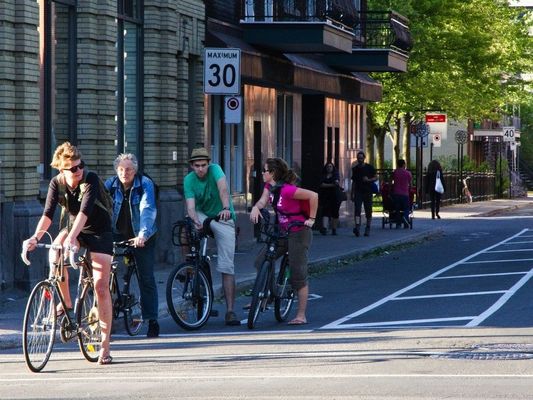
(341, 195)
(439, 188)
(375, 187)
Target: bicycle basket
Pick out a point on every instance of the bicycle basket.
(181, 233)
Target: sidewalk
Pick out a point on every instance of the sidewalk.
(324, 250)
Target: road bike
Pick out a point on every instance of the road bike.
(466, 191)
(41, 318)
(189, 285)
(268, 286)
(128, 299)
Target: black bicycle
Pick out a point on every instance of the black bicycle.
(268, 286)
(41, 316)
(189, 285)
(128, 300)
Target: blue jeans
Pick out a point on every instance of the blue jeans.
(144, 257)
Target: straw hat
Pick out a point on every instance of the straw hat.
(200, 153)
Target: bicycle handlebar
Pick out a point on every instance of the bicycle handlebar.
(72, 253)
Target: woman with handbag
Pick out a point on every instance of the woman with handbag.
(435, 187)
(330, 198)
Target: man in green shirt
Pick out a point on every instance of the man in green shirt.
(207, 195)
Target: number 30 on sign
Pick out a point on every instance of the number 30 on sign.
(222, 71)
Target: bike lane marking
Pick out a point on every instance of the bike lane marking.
(474, 320)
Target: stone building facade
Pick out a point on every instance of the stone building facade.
(109, 76)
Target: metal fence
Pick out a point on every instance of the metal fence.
(482, 186)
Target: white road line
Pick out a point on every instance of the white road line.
(430, 296)
(262, 377)
(508, 251)
(480, 275)
(403, 322)
(496, 306)
(498, 261)
(526, 242)
(337, 324)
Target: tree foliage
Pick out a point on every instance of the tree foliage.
(466, 60)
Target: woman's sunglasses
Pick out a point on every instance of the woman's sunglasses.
(75, 168)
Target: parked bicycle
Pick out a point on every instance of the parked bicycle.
(41, 319)
(268, 286)
(128, 300)
(190, 286)
(466, 191)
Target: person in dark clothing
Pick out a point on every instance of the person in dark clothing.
(78, 192)
(363, 177)
(434, 171)
(329, 198)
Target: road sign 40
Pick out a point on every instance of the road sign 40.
(222, 71)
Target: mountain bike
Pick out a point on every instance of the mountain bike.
(128, 300)
(40, 317)
(190, 286)
(268, 286)
(466, 191)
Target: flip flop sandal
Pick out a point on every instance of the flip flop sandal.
(105, 360)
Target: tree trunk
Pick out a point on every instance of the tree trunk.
(396, 140)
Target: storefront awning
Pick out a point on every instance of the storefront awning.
(296, 72)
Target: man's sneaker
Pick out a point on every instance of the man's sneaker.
(153, 328)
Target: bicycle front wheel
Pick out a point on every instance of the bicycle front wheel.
(89, 330)
(190, 310)
(39, 329)
(133, 317)
(259, 294)
(285, 293)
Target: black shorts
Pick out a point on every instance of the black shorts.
(97, 243)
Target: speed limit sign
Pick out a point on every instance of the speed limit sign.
(508, 134)
(222, 71)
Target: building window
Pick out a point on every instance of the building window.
(353, 139)
(227, 146)
(129, 78)
(58, 78)
(284, 127)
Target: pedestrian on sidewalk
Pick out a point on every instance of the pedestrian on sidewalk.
(288, 203)
(434, 171)
(207, 195)
(363, 177)
(401, 182)
(329, 198)
(134, 216)
(82, 196)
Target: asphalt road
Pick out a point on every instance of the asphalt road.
(451, 317)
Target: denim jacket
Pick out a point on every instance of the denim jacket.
(142, 204)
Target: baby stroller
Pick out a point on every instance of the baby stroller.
(390, 216)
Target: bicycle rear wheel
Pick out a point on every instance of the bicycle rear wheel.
(285, 293)
(39, 329)
(190, 311)
(260, 294)
(133, 317)
(89, 330)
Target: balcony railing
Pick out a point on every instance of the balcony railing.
(340, 13)
(383, 29)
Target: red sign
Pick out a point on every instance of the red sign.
(435, 118)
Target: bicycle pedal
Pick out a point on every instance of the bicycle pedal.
(213, 313)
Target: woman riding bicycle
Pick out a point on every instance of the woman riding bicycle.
(89, 224)
(289, 203)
